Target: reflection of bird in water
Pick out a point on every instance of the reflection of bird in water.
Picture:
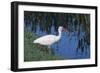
(48, 40)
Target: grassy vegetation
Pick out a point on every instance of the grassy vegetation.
(36, 52)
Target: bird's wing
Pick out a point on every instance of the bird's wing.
(48, 39)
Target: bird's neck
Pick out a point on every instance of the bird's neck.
(59, 35)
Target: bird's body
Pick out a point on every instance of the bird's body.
(48, 40)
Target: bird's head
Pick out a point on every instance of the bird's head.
(61, 28)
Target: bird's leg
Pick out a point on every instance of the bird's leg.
(49, 49)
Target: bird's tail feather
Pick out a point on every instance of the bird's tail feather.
(35, 41)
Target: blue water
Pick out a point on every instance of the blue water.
(66, 47)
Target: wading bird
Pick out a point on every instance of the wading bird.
(48, 40)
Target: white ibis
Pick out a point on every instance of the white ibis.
(48, 40)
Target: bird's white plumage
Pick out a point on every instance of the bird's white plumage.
(46, 40)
